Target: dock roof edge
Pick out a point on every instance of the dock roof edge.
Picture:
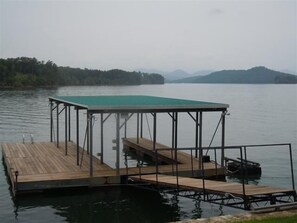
(137, 103)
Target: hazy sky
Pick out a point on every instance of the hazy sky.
(164, 35)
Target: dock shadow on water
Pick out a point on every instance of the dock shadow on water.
(112, 204)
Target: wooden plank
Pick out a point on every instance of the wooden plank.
(211, 186)
(146, 146)
(44, 165)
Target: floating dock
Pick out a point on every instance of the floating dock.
(219, 192)
(186, 164)
(35, 167)
(39, 166)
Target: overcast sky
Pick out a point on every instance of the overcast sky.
(164, 35)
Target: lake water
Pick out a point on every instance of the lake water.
(259, 114)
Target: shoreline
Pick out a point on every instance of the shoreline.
(288, 212)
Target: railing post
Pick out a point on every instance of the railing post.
(157, 166)
(126, 161)
(216, 163)
(192, 165)
(243, 179)
(203, 176)
(245, 164)
(292, 169)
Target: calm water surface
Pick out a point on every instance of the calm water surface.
(258, 114)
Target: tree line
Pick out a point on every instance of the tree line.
(29, 72)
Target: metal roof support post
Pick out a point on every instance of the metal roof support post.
(101, 133)
(77, 136)
(88, 131)
(172, 139)
(200, 141)
(223, 139)
(172, 131)
(175, 147)
(51, 121)
(125, 129)
(58, 125)
(155, 131)
(66, 128)
(90, 137)
(141, 125)
(118, 144)
(196, 134)
(175, 133)
(137, 128)
(69, 124)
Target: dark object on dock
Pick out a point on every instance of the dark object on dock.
(242, 166)
(205, 159)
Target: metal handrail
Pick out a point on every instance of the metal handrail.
(243, 158)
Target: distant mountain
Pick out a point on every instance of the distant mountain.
(255, 75)
(177, 74)
(289, 71)
(202, 73)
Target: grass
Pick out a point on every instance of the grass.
(285, 219)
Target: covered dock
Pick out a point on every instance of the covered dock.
(127, 107)
(67, 162)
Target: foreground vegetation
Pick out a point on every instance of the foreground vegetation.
(286, 219)
(29, 72)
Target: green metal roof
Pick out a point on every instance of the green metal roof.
(136, 103)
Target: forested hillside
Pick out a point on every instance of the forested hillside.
(29, 72)
(255, 75)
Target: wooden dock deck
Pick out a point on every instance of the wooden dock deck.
(188, 165)
(42, 166)
(251, 194)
